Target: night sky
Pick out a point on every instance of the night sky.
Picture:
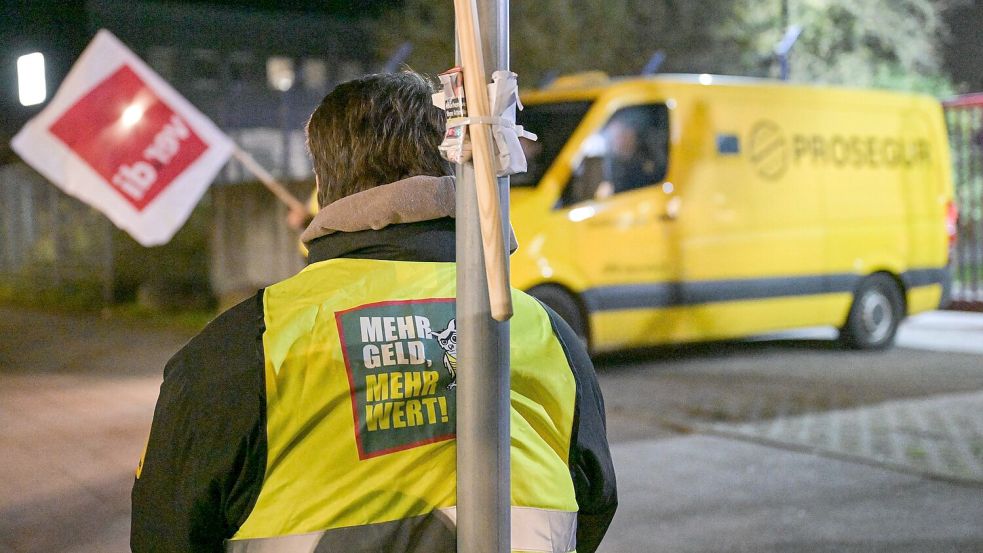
(348, 8)
(22, 20)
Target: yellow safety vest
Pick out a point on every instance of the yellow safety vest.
(360, 398)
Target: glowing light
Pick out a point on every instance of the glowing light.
(671, 103)
(667, 187)
(280, 73)
(706, 78)
(132, 115)
(31, 86)
(578, 214)
(673, 207)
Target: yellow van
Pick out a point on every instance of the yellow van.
(682, 208)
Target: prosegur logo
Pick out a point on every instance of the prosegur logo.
(769, 151)
(772, 152)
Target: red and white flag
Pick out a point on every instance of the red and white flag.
(121, 139)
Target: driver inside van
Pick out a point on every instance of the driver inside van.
(629, 164)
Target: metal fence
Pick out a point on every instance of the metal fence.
(964, 117)
(50, 241)
(51, 244)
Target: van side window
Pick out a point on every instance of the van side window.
(631, 151)
(553, 124)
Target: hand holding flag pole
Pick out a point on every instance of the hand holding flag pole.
(274, 186)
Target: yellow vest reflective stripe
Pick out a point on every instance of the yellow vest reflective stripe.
(533, 531)
(360, 360)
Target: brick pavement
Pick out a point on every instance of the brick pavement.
(940, 436)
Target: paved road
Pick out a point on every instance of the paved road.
(791, 444)
(703, 494)
(76, 400)
(664, 391)
(722, 447)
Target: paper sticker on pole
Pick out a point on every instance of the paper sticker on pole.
(121, 139)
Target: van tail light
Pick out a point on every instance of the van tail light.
(952, 222)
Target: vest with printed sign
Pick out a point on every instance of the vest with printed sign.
(361, 364)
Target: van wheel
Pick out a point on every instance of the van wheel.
(876, 312)
(566, 307)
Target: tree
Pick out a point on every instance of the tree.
(881, 43)
(869, 43)
(565, 36)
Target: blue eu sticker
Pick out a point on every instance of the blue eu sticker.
(728, 144)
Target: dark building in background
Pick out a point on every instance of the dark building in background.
(257, 70)
(58, 30)
(258, 74)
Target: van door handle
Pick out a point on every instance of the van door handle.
(672, 209)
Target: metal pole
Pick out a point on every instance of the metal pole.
(55, 230)
(108, 264)
(783, 56)
(284, 115)
(8, 209)
(483, 479)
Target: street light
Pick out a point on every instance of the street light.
(31, 87)
(280, 73)
(784, 47)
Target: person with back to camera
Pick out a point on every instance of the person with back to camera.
(318, 415)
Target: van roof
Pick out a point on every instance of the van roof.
(589, 85)
(600, 79)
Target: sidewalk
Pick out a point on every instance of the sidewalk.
(944, 331)
(948, 331)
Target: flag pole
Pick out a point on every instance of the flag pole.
(264, 176)
(483, 455)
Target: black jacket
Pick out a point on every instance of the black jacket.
(206, 454)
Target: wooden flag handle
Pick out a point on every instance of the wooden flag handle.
(267, 179)
(489, 208)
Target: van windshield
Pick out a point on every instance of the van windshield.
(552, 124)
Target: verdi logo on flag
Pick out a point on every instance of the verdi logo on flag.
(148, 145)
(121, 139)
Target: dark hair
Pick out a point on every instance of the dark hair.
(375, 130)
